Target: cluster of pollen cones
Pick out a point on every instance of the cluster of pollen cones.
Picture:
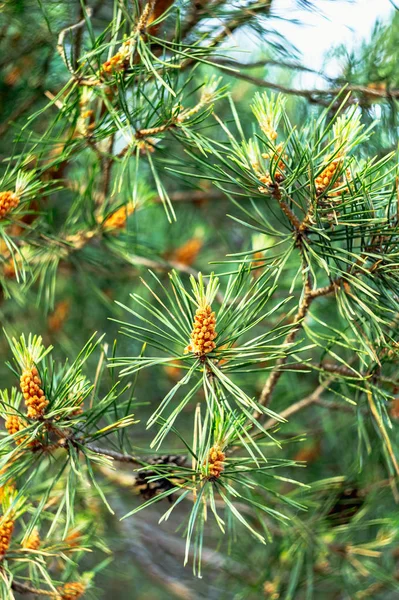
(35, 400)
(71, 591)
(6, 531)
(32, 542)
(323, 181)
(8, 201)
(203, 333)
(215, 461)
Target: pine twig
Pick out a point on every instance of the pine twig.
(308, 296)
(23, 588)
(301, 404)
(315, 95)
(118, 456)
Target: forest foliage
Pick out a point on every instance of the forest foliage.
(199, 278)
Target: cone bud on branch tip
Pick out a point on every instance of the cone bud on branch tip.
(203, 333)
(35, 400)
(71, 591)
(14, 424)
(8, 201)
(6, 531)
(215, 462)
(32, 542)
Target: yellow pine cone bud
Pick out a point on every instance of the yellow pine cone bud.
(9, 488)
(118, 62)
(73, 538)
(32, 542)
(323, 181)
(71, 591)
(268, 129)
(215, 461)
(338, 184)
(115, 63)
(8, 201)
(188, 252)
(203, 332)
(118, 219)
(13, 424)
(35, 400)
(6, 531)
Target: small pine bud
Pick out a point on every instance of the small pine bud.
(6, 531)
(118, 219)
(35, 400)
(173, 370)
(119, 62)
(203, 332)
(71, 591)
(57, 319)
(215, 461)
(8, 201)
(32, 542)
(270, 589)
(188, 252)
(13, 424)
(323, 181)
(73, 538)
(394, 409)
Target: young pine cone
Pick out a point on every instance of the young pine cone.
(8, 201)
(32, 542)
(6, 531)
(35, 400)
(14, 424)
(215, 462)
(323, 181)
(71, 591)
(203, 332)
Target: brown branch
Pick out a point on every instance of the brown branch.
(380, 424)
(226, 62)
(61, 51)
(301, 404)
(328, 367)
(61, 37)
(23, 588)
(339, 406)
(118, 456)
(276, 373)
(143, 133)
(122, 457)
(316, 95)
(308, 296)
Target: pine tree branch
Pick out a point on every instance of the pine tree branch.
(381, 426)
(226, 62)
(301, 404)
(60, 43)
(243, 17)
(23, 588)
(314, 95)
(307, 298)
(121, 457)
(118, 456)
